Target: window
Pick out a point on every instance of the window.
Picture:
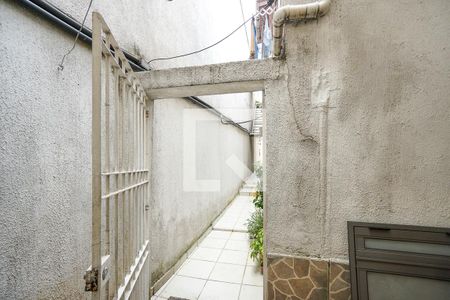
(399, 262)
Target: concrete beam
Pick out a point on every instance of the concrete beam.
(232, 77)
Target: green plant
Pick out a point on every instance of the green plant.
(257, 247)
(258, 171)
(258, 201)
(255, 223)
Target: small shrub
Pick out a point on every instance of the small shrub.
(257, 247)
(258, 201)
(259, 171)
(255, 223)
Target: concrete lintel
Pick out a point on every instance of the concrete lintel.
(232, 77)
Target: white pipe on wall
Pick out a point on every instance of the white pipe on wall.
(295, 12)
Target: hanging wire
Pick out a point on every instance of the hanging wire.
(61, 64)
(243, 18)
(203, 49)
(212, 45)
(225, 122)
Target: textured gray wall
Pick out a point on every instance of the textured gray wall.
(45, 139)
(179, 216)
(385, 67)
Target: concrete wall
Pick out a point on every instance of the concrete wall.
(179, 216)
(45, 138)
(384, 67)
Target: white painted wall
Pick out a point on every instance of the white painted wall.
(45, 138)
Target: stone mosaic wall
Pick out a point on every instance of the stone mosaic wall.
(306, 279)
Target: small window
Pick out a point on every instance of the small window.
(399, 262)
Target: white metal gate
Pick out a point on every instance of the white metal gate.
(120, 175)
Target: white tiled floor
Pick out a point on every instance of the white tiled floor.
(220, 267)
(235, 216)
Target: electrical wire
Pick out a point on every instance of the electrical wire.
(61, 64)
(231, 122)
(269, 3)
(203, 49)
(212, 45)
(243, 19)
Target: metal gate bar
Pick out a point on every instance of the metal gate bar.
(120, 177)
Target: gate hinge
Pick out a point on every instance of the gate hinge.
(147, 114)
(91, 279)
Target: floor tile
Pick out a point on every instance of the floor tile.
(209, 254)
(219, 234)
(227, 273)
(239, 236)
(237, 245)
(196, 268)
(249, 292)
(251, 261)
(184, 287)
(224, 225)
(240, 227)
(233, 257)
(253, 276)
(220, 291)
(213, 243)
(158, 292)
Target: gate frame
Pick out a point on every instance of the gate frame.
(98, 275)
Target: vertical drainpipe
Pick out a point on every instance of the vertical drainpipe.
(295, 13)
(323, 175)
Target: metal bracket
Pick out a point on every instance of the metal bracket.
(91, 279)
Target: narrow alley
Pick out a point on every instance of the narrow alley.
(225, 150)
(220, 266)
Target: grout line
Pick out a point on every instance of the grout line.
(243, 212)
(214, 280)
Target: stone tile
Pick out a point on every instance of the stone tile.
(184, 287)
(227, 273)
(283, 270)
(213, 243)
(253, 276)
(270, 291)
(233, 257)
(301, 267)
(301, 287)
(341, 295)
(209, 254)
(237, 245)
(318, 294)
(196, 268)
(250, 292)
(319, 274)
(339, 282)
(297, 278)
(220, 291)
(283, 286)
